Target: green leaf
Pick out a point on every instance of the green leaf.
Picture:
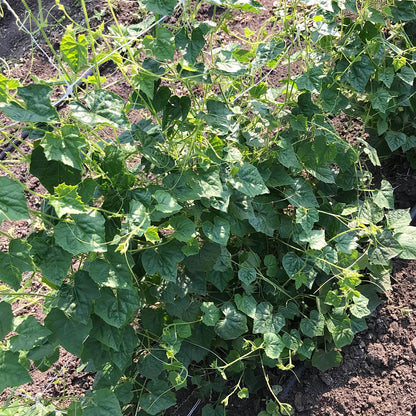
(310, 80)
(300, 194)
(53, 261)
(267, 321)
(395, 139)
(12, 373)
(306, 348)
(68, 332)
(219, 232)
(150, 365)
(114, 271)
(6, 321)
(84, 234)
(246, 304)
(386, 75)
(271, 263)
(273, 345)
(211, 313)
(406, 237)
(103, 402)
(267, 52)
(347, 242)
(37, 108)
(162, 46)
(184, 228)
(247, 275)
(13, 204)
(194, 46)
(137, 219)
(30, 333)
(358, 73)
(108, 335)
(76, 300)
(102, 107)
(359, 307)
(234, 323)
(380, 100)
(66, 200)
(208, 410)
(333, 101)
(292, 264)
(162, 7)
(323, 360)
(152, 235)
(52, 173)
(342, 336)
(15, 262)
(74, 51)
(291, 340)
(248, 180)
(160, 397)
(116, 308)
(314, 325)
(65, 147)
(166, 203)
(316, 239)
(163, 260)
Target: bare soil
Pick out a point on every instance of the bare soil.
(378, 373)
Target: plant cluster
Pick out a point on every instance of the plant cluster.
(231, 230)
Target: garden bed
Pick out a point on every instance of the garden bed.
(378, 372)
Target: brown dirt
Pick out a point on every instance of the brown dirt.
(378, 373)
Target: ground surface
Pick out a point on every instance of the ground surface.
(378, 373)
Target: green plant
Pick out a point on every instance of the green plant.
(228, 232)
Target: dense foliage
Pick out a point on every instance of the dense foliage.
(230, 230)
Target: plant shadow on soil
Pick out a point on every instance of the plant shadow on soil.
(378, 373)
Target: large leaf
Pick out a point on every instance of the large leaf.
(52, 173)
(76, 299)
(162, 7)
(13, 204)
(300, 194)
(158, 399)
(30, 333)
(116, 309)
(74, 51)
(211, 313)
(15, 262)
(406, 237)
(267, 321)
(234, 323)
(6, 321)
(163, 260)
(66, 200)
(12, 373)
(162, 46)
(218, 232)
(273, 345)
(115, 270)
(184, 228)
(37, 108)
(358, 73)
(84, 234)
(314, 325)
(324, 360)
(247, 180)
(65, 146)
(102, 403)
(102, 107)
(266, 52)
(53, 261)
(137, 219)
(68, 332)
